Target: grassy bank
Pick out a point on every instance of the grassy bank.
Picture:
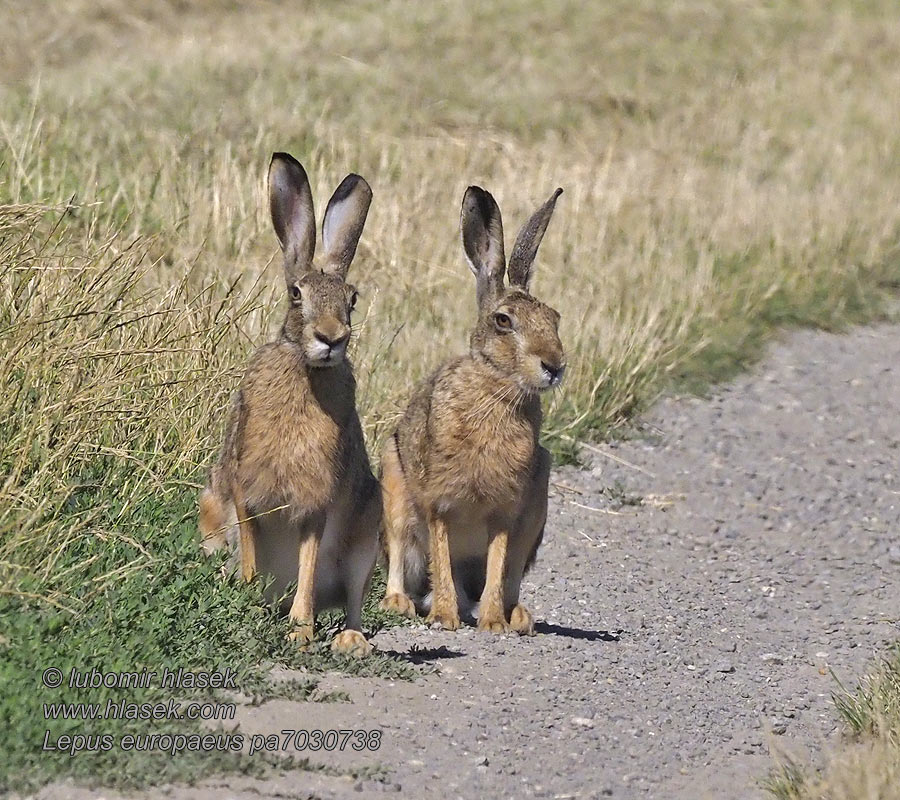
(729, 169)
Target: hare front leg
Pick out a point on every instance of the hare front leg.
(359, 565)
(529, 532)
(302, 612)
(444, 608)
(490, 612)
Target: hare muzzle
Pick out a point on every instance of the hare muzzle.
(328, 345)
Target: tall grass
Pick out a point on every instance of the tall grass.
(729, 168)
(108, 391)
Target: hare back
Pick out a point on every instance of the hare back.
(468, 438)
(301, 434)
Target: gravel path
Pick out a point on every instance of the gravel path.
(684, 636)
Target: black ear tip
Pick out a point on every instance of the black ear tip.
(482, 200)
(281, 156)
(349, 183)
(287, 160)
(557, 193)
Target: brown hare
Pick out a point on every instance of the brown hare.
(293, 471)
(464, 480)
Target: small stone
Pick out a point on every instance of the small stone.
(480, 761)
(724, 666)
(772, 658)
(583, 722)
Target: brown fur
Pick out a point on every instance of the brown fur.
(293, 469)
(464, 480)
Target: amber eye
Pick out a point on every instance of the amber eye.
(295, 292)
(502, 321)
(353, 298)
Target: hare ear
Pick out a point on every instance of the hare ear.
(343, 223)
(290, 201)
(482, 238)
(527, 243)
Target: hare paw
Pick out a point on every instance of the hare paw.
(521, 621)
(399, 603)
(448, 620)
(493, 623)
(351, 643)
(302, 634)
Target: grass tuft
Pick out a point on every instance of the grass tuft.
(866, 764)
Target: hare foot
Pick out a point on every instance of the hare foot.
(351, 643)
(448, 619)
(521, 621)
(399, 603)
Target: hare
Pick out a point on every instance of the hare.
(464, 479)
(293, 472)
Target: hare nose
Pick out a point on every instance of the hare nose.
(555, 372)
(331, 340)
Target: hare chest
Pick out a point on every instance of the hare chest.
(291, 443)
(488, 467)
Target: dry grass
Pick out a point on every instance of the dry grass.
(715, 156)
(729, 167)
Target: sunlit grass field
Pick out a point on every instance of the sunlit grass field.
(729, 168)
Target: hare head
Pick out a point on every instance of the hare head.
(321, 300)
(515, 333)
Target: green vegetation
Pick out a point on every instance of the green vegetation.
(866, 766)
(729, 169)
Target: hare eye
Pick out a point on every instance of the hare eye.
(502, 321)
(295, 292)
(353, 298)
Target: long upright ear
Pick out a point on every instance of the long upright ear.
(291, 204)
(482, 239)
(527, 243)
(343, 223)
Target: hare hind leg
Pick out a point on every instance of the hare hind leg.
(399, 517)
(217, 513)
(213, 521)
(523, 545)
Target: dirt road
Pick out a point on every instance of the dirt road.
(695, 587)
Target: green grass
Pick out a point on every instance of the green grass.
(730, 169)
